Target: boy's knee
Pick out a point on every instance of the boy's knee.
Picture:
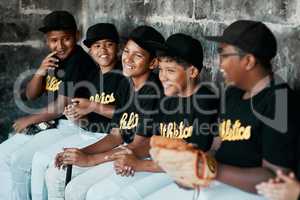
(90, 194)
(17, 162)
(41, 158)
(75, 191)
(55, 176)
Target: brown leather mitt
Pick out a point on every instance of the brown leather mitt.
(188, 166)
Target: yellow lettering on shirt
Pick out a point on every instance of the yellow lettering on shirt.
(229, 131)
(103, 98)
(129, 121)
(52, 83)
(173, 130)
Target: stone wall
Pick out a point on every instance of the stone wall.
(22, 46)
(209, 17)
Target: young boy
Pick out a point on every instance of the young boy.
(258, 127)
(95, 109)
(137, 104)
(61, 65)
(183, 112)
(70, 62)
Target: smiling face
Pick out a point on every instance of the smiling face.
(104, 53)
(135, 60)
(63, 42)
(231, 64)
(175, 77)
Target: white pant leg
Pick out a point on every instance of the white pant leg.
(139, 189)
(39, 166)
(43, 158)
(79, 186)
(112, 185)
(217, 191)
(6, 149)
(172, 191)
(21, 160)
(55, 181)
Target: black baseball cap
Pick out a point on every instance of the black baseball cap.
(251, 36)
(101, 31)
(58, 20)
(147, 38)
(185, 47)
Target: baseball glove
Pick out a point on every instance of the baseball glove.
(188, 166)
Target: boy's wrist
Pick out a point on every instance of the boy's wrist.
(41, 72)
(90, 160)
(138, 165)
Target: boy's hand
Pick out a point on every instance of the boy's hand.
(74, 156)
(78, 109)
(82, 106)
(125, 162)
(49, 62)
(21, 124)
(70, 113)
(282, 188)
(58, 161)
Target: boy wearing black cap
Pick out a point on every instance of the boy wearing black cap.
(138, 101)
(257, 128)
(102, 40)
(54, 76)
(97, 106)
(183, 113)
(61, 65)
(259, 137)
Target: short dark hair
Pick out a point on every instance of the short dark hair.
(265, 63)
(178, 60)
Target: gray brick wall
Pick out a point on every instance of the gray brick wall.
(210, 17)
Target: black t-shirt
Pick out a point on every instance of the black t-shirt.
(298, 159)
(135, 110)
(193, 118)
(105, 92)
(64, 79)
(52, 82)
(77, 72)
(263, 127)
(297, 111)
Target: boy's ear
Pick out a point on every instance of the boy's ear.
(193, 72)
(153, 63)
(251, 62)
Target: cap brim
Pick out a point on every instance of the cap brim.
(46, 29)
